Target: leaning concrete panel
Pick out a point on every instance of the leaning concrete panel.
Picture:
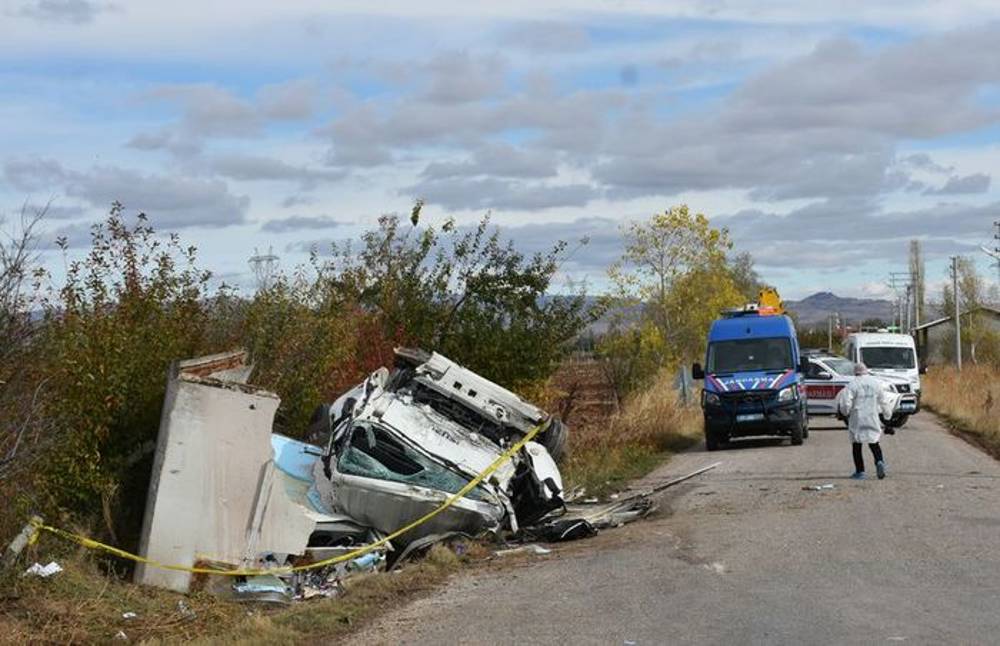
(209, 495)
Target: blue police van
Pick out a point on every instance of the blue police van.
(753, 374)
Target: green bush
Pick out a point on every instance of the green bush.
(130, 307)
(465, 293)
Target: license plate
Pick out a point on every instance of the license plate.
(907, 407)
(750, 417)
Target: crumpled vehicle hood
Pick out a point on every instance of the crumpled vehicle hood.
(395, 460)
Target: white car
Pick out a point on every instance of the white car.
(829, 374)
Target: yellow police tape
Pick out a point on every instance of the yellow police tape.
(361, 551)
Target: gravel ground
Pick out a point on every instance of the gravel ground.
(743, 554)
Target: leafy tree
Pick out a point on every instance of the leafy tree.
(745, 277)
(676, 271)
(128, 309)
(980, 341)
(676, 274)
(19, 382)
(466, 293)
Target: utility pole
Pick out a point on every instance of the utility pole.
(909, 288)
(899, 280)
(829, 332)
(958, 322)
(917, 279)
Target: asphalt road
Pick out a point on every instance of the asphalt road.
(744, 555)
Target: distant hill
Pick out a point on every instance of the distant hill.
(813, 310)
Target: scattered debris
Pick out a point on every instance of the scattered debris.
(121, 636)
(21, 540)
(264, 588)
(822, 487)
(561, 529)
(129, 615)
(185, 611)
(423, 544)
(715, 567)
(531, 548)
(43, 571)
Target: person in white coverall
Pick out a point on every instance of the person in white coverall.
(861, 402)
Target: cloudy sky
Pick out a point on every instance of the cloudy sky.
(823, 137)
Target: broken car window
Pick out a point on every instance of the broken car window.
(374, 453)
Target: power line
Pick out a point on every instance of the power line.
(264, 267)
(958, 321)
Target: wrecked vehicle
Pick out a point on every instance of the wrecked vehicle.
(226, 493)
(458, 394)
(401, 443)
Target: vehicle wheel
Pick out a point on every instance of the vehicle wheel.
(712, 441)
(805, 428)
(554, 439)
(798, 433)
(898, 421)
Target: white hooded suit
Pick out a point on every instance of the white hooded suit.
(861, 402)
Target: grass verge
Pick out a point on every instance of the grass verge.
(653, 424)
(82, 604)
(968, 401)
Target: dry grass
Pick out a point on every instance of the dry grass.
(968, 400)
(652, 424)
(84, 605)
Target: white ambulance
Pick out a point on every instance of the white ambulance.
(888, 354)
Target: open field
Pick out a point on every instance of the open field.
(968, 400)
(609, 446)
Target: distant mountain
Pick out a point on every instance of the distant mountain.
(814, 310)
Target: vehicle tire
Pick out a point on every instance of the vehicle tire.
(805, 426)
(897, 421)
(554, 439)
(712, 442)
(798, 434)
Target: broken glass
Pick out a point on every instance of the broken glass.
(374, 453)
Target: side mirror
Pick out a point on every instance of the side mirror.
(803, 364)
(922, 370)
(696, 371)
(824, 375)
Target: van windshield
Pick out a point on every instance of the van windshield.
(745, 355)
(888, 357)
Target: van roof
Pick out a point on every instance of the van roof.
(881, 338)
(752, 326)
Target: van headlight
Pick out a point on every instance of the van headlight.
(709, 399)
(788, 394)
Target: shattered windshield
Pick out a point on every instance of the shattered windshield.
(743, 355)
(888, 357)
(374, 453)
